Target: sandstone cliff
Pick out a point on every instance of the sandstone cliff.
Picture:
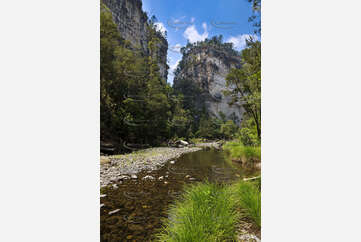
(132, 24)
(206, 64)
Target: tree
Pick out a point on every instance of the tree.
(134, 101)
(229, 129)
(245, 82)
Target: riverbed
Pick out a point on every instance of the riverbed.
(132, 209)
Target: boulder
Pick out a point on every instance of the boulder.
(178, 144)
(181, 142)
(148, 178)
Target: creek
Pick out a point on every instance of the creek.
(134, 210)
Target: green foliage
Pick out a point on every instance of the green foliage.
(181, 119)
(134, 102)
(245, 83)
(229, 129)
(196, 140)
(215, 128)
(248, 137)
(239, 151)
(204, 213)
(248, 133)
(248, 196)
(216, 43)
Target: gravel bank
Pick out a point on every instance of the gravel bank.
(115, 168)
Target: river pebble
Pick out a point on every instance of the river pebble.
(122, 167)
(148, 178)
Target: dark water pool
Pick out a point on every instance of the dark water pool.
(137, 206)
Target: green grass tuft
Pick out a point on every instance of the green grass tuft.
(204, 213)
(239, 151)
(248, 196)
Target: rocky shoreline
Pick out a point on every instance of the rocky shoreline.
(113, 169)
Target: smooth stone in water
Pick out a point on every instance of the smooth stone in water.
(160, 178)
(172, 162)
(148, 177)
(134, 177)
(114, 211)
(103, 195)
(184, 142)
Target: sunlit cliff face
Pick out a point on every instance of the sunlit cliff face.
(208, 68)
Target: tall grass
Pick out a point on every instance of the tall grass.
(204, 213)
(246, 153)
(248, 196)
(211, 212)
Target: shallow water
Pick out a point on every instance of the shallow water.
(138, 206)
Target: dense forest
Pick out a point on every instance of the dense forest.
(140, 108)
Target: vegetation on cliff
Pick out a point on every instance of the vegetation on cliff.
(191, 83)
(245, 84)
(135, 104)
(139, 107)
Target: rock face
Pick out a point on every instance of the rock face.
(207, 65)
(132, 24)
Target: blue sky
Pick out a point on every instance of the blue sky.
(199, 19)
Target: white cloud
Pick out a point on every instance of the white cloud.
(180, 23)
(192, 34)
(159, 26)
(239, 42)
(176, 48)
(173, 67)
(177, 20)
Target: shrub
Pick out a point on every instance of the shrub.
(249, 137)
